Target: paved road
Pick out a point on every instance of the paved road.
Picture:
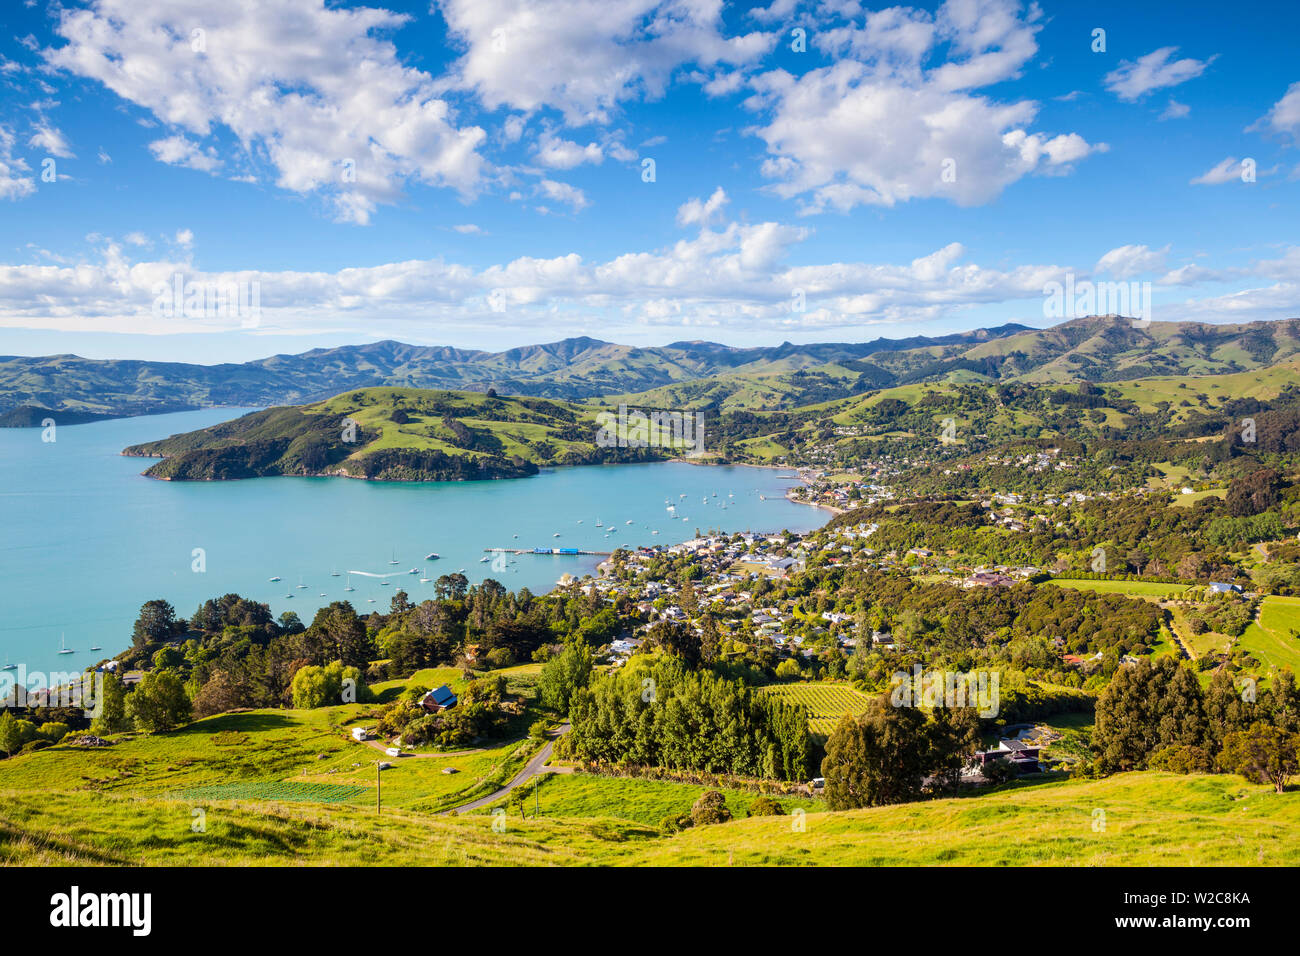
(533, 768)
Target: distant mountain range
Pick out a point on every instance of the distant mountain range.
(698, 374)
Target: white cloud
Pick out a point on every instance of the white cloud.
(1284, 116)
(1175, 110)
(557, 153)
(1134, 79)
(1125, 262)
(51, 140)
(735, 276)
(1227, 171)
(303, 86)
(468, 229)
(585, 57)
(14, 181)
(698, 212)
(185, 237)
(880, 126)
(181, 151)
(563, 192)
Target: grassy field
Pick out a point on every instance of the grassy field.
(1133, 819)
(1151, 590)
(826, 703)
(583, 795)
(1269, 638)
(1145, 819)
(266, 755)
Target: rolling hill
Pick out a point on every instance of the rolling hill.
(391, 434)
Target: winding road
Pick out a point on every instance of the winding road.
(534, 767)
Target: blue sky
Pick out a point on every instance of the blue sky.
(473, 173)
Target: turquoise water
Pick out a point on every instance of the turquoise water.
(87, 540)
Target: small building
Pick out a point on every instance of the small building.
(360, 733)
(1219, 587)
(439, 699)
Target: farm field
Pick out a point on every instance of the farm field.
(1269, 636)
(826, 703)
(265, 755)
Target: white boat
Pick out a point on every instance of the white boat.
(413, 571)
(300, 584)
(556, 535)
(431, 556)
(8, 666)
(461, 571)
(322, 594)
(334, 574)
(394, 561)
(63, 648)
(274, 579)
(349, 586)
(484, 559)
(384, 584)
(370, 600)
(96, 647)
(629, 521)
(599, 525)
(654, 532)
(424, 580)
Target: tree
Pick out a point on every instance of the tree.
(1262, 754)
(166, 658)
(878, 758)
(336, 633)
(156, 623)
(11, 737)
(112, 717)
(159, 702)
(220, 694)
(563, 674)
(314, 686)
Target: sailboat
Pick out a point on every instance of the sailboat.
(8, 666)
(349, 586)
(334, 574)
(394, 561)
(63, 647)
(300, 584)
(95, 647)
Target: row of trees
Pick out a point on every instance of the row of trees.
(658, 712)
(1156, 715)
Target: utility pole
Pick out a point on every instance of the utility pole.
(379, 789)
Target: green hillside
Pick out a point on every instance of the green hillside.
(399, 434)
